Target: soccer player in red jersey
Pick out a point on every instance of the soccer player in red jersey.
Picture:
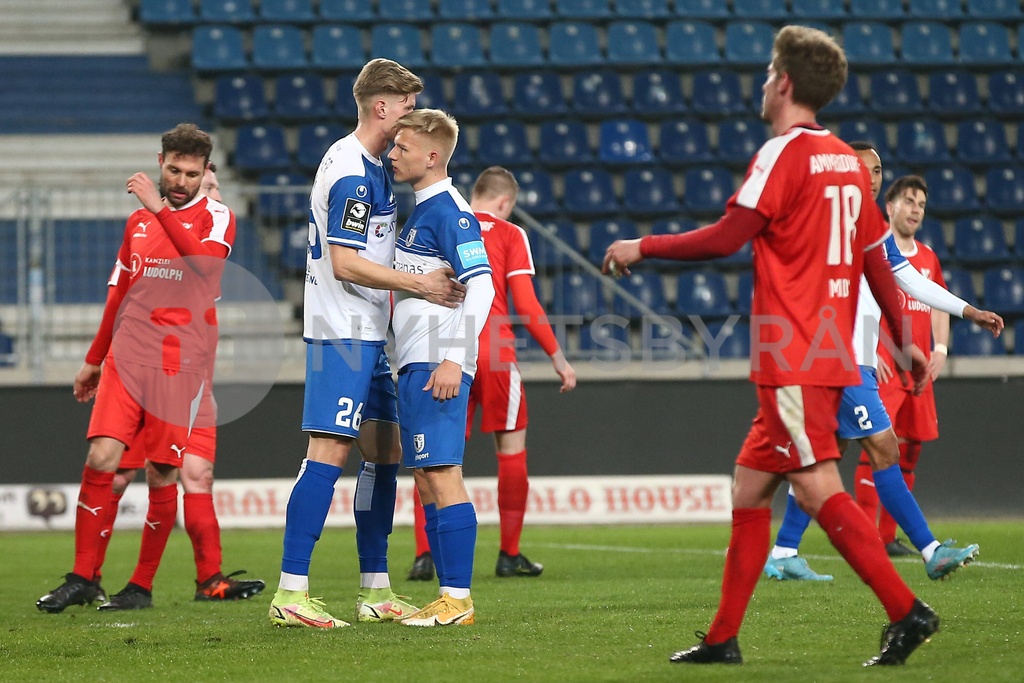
(498, 389)
(806, 203)
(150, 363)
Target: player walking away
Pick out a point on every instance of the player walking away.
(350, 394)
(864, 418)
(497, 387)
(805, 202)
(151, 361)
(437, 354)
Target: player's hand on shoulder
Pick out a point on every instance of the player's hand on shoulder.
(86, 382)
(984, 319)
(619, 256)
(439, 288)
(445, 381)
(565, 371)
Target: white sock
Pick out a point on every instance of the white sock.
(293, 582)
(457, 593)
(373, 580)
(929, 550)
(779, 552)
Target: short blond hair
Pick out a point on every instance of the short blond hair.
(439, 127)
(383, 77)
(815, 63)
(495, 181)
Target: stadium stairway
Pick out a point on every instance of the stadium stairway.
(76, 27)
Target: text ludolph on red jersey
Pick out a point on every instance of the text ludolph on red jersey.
(508, 250)
(927, 263)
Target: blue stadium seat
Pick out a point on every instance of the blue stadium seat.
(604, 232)
(739, 140)
(884, 10)
(84, 248)
(649, 192)
(684, 142)
(478, 95)
(525, 10)
(984, 43)
(338, 47)
(981, 142)
(1006, 93)
(226, 12)
(239, 98)
(282, 205)
(960, 282)
(515, 45)
(890, 172)
(586, 10)
(9, 275)
(760, 9)
(744, 292)
(633, 43)
(314, 139)
(546, 256)
(825, 10)
(278, 47)
(578, 295)
(1004, 189)
(702, 9)
(344, 102)
(849, 101)
(536, 193)
(869, 130)
(432, 96)
(504, 143)
(410, 10)
(868, 43)
(400, 42)
(354, 11)
(287, 11)
(1018, 242)
(951, 190)
(732, 338)
(980, 241)
(952, 94)
(294, 247)
(643, 9)
(300, 96)
(1018, 336)
(749, 42)
(894, 93)
(605, 340)
(742, 258)
(598, 93)
(624, 141)
(657, 93)
(997, 10)
(465, 10)
(926, 43)
(261, 148)
(702, 293)
(717, 93)
(573, 43)
(645, 286)
(967, 339)
(932, 234)
(538, 94)
(921, 141)
(940, 10)
(691, 43)
(564, 143)
(167, 13)
(707, 189)
(589, 192)
(462, 156)
(456, 45)
(673, 226)
(218, 48)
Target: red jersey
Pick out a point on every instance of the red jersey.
(927, 263)
(809, 259)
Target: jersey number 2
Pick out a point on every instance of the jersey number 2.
(846, 202)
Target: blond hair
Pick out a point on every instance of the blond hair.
(495, 182)
(815, 63)
(383, 77)
(439, 127)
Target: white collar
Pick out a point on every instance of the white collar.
(433, 190)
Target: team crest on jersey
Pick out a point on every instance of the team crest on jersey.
(464, 223)
(418, 442)
(361, 191)
(410, 237)
(357, 216)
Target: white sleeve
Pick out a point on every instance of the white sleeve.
(928, 292)
(476, 307)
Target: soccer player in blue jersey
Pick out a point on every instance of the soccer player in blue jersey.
(350, 394)
(863, 418)
(437, 352)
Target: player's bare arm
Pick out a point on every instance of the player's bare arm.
(86, 382)
(619, 256)
(445, 381)
(565, 371)
(437, 287)
(984, 319)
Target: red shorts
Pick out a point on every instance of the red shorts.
(913, 417)
(795, 427)
(502, 397)
(202, 441)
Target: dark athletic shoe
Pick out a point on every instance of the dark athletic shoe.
(131, 596)
(422, 568)
(901, 638)
(702, 653)
(74, 591)
(899, 549)
(516, 565)
(220, 587)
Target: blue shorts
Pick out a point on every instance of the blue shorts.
(433, 433)
(861, 413)
(347, 382)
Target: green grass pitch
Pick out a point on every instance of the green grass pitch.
(612, 604)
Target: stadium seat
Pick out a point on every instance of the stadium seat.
(84, 250)
(759, 9)
(294, 247)
(868, 43)
(894, 93)
(952, 94)
(239, 98)
(649, 192)
(261, 148)
(338, 47)
(672, 226)
(825, 10)
(702, 293)
(589, 192)
(412, 11)
(465, 10)
(980, 241)
(744, 292)
(684, 142)
(921, 141)
(314, 140)
(717, 93)
(731, 339)
(1006, 93)
(564, 143)
(742, 258)
(707, 189)
(287, 11)
(456, 45)
(605, 340)
(279, 204)
(538, 94)
(1004, 189)
(585, 10)
(940, 10)
(167, 13)
(633, 43)
(702, 9)
(546, 255)
(624, 141)
(504, 143)
(960, 283)
(951, 190)
(598, 94)
(739, 140)
(926, 43)
(353, 11)
(1018, 336)
(525, 10)
(462, 156)
(932, 234)
(578, 294)
(657, 93)
(877, 10)
(573, 44)
(604, 232)
(749, 43)
(691, 43)
(300, 96)
(226, 12)
(400, 42)
(642, 9)
(478, 95)
(515, 45)
(981, 142)
(869, 130)
(278, 47)
(1018, 242)
(536, 193)
(967, 339)
(997, 10)
(645, 286)
(849, 101)
(984, 43)
(344, 102)
(432, 96)
(217, 48)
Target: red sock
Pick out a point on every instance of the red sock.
(864, 488)
(90, 517)
(204, 531)
(910, 451)
(855, 538)
(513, 492)
(419, 524)
(163, 508)
(748, 551)
(106, 533)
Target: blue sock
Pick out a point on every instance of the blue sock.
(308, 506)
(794, 524)
(901, 504)
(456, 537)
(374, 510)
(430, 514)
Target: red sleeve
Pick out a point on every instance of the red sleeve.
(883, 286)
(732, 231)
(529, 309)
(101, 343)
(185, 242)
(518, 259)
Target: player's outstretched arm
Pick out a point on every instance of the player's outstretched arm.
(529, 310)
(984, 319)
(437, 287)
